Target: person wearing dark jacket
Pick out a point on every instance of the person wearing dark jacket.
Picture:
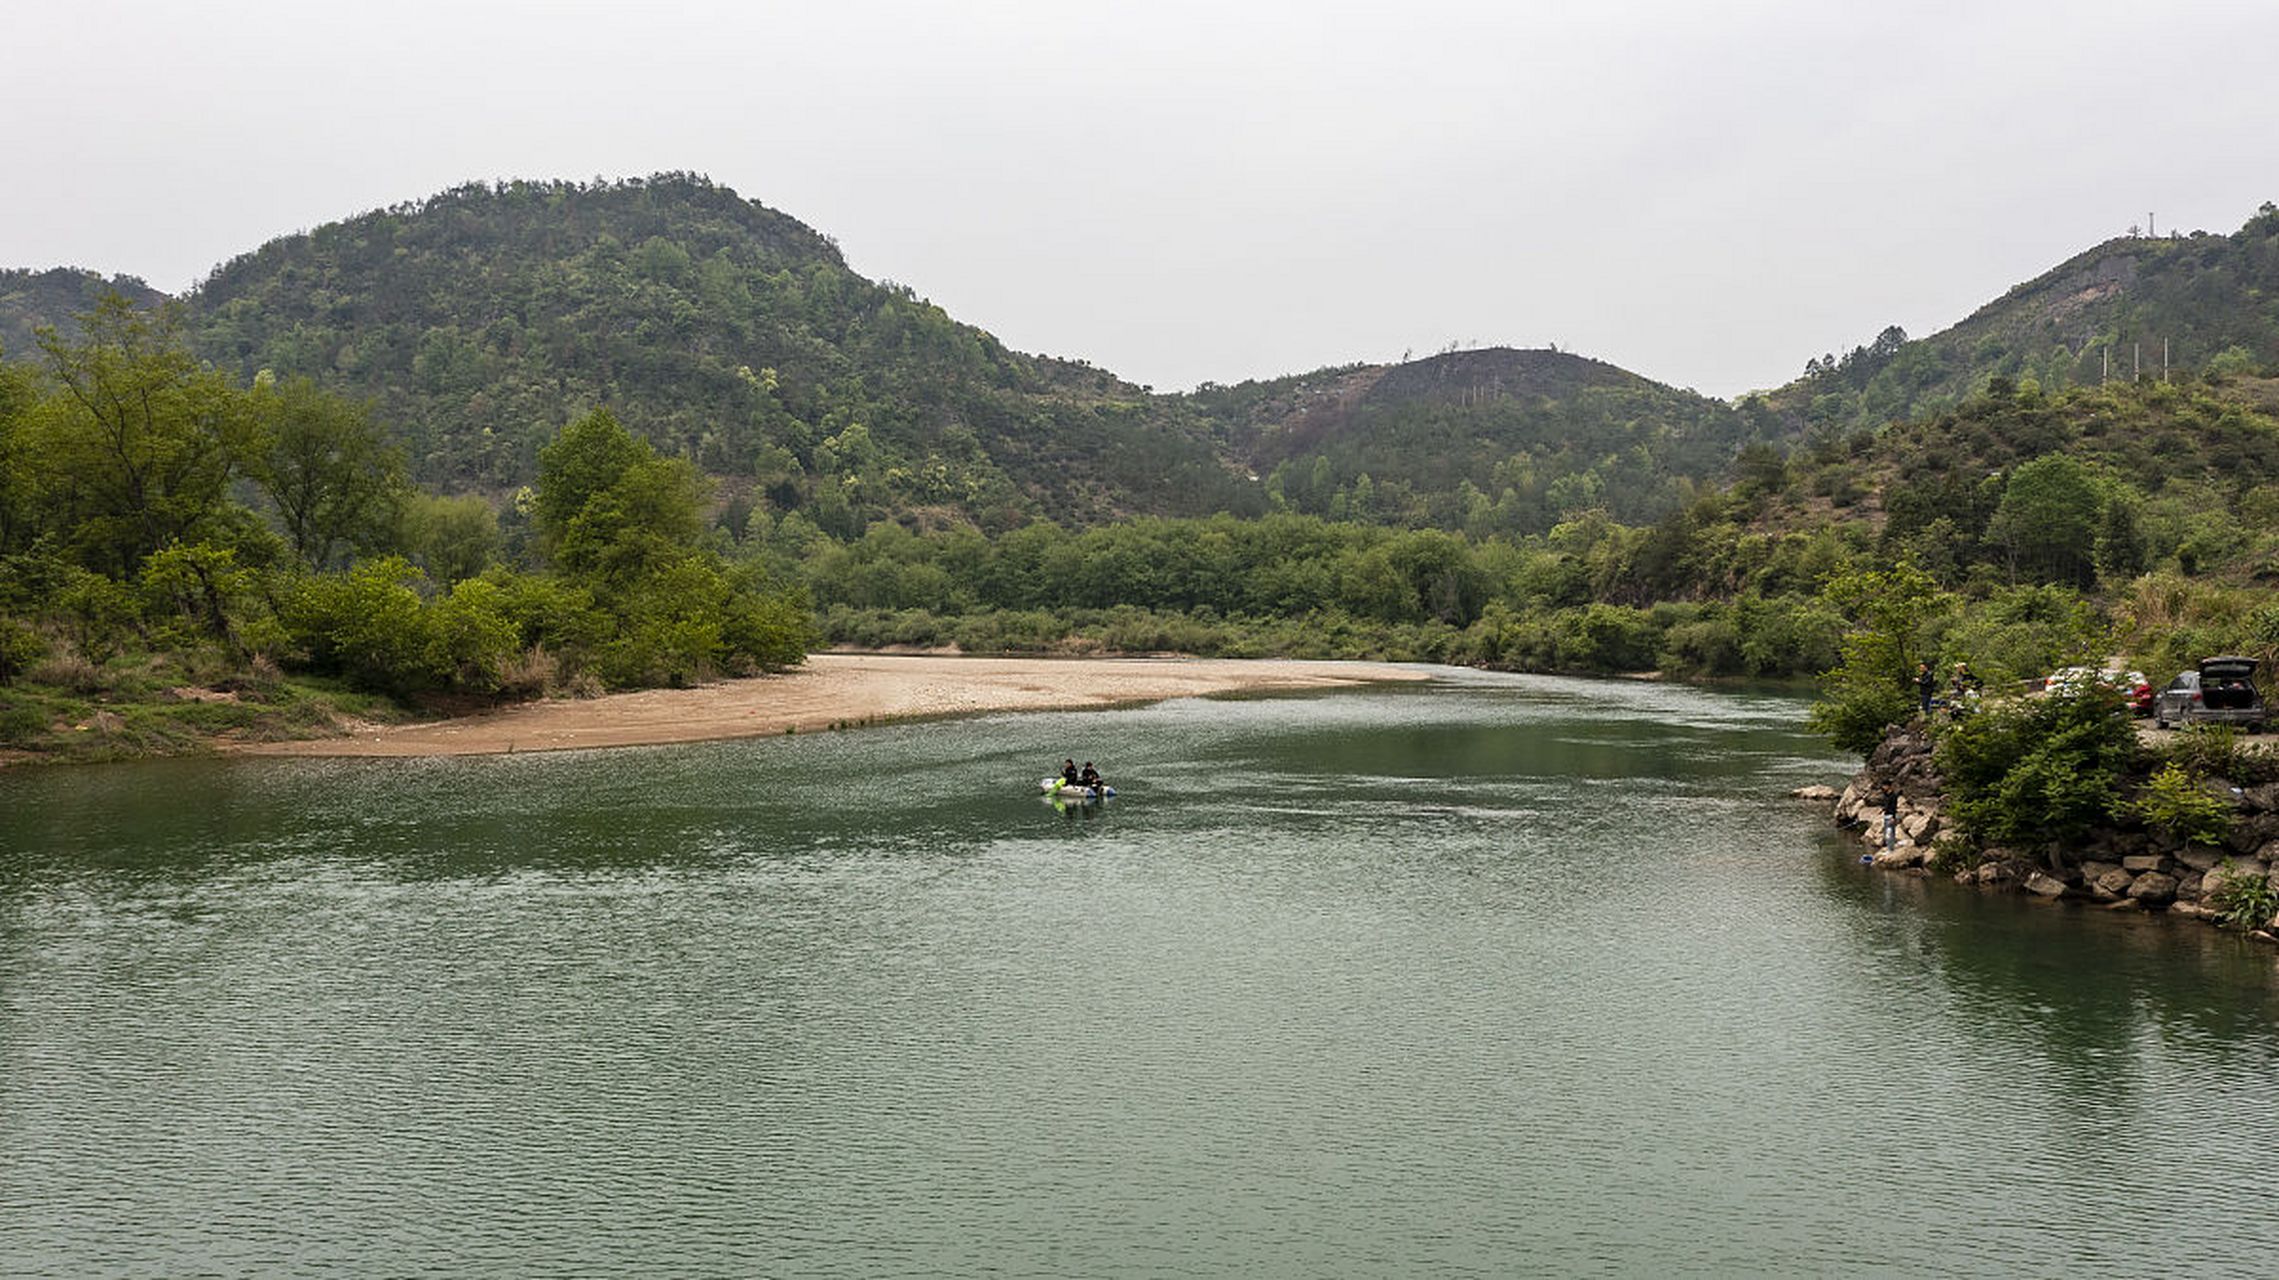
(1926, 685)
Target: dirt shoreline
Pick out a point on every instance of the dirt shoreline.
(836, 689)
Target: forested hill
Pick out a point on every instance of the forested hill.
(2128, 306)
(483, 318)
(56, 298)
(1492, 440)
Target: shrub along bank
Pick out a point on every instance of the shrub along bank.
(2057, 797)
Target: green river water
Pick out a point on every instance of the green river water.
(1487, 976)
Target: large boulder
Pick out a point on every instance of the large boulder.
(1816, 793)
(2112, 884)
(2264, 798)
(2146, 862)
(2252, 831)
(2041, 884)
(1903, 760)
(2200, 857)
(2154, 889)
(2212, 880)
(2225, 793)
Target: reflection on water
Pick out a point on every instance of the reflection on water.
(1492, 975)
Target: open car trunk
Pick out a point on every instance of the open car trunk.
(2228, 684)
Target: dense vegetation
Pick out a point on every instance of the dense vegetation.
(177, 551)
(2139, 305)
(55, 299)
(480, 319)
(536, 437)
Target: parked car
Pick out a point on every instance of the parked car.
(2221, 691)
(2135, 690)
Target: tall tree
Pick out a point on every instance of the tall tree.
(2048, 521)
(140, 443)
(328, 468)
(17, 511)
(608, 505)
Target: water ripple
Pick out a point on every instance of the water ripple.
(1502, 975)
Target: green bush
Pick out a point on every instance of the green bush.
(2037, 769)
(551, 614)
(2246, 901)
(21, 723)
(368, 625)
(20, 647)
(470, 637)
(2216, 751)
(2177, 802)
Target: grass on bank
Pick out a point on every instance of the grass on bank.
(71, 710)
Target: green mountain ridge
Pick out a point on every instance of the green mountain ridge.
(481, 319)
(56, 298)
(2132, 306)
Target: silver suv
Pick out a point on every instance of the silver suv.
(2222, 691)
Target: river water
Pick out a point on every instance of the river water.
(1486, 976)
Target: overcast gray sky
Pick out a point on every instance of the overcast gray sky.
(1708, 194)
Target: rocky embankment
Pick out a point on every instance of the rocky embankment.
(2123, 867)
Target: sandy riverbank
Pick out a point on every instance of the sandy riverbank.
(832, 689)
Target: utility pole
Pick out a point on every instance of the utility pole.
(2106, 374)
(2164, 359)
(2136, 357)
(2151, 228)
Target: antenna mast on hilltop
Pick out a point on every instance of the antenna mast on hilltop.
(2151, 228)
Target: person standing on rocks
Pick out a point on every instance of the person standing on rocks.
(1926, 686)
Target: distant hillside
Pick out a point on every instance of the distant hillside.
(31, 300)
(484, 317)
(1493, 440)
(481, 319)
(2123, 308)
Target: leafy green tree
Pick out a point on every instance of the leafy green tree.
(19, 511)
(138, 448)
(581, 463)
(2048, 520)
(203, 585)
(2121, 549)
(1891, 613)
(328, 469)
(609, 506)
(452, 538)
(470, 636)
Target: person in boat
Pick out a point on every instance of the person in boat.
(1090, 777)
(1068, 774)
